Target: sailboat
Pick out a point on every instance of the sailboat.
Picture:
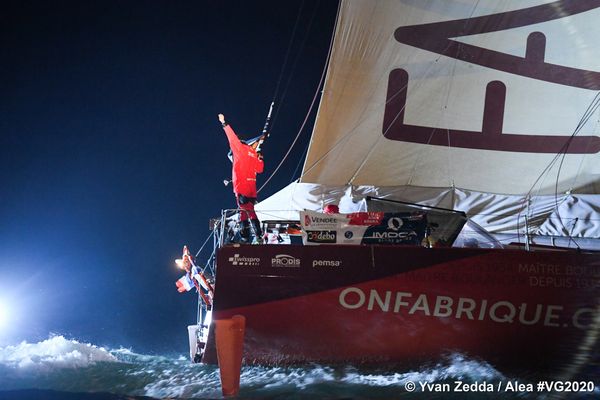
(460, 141)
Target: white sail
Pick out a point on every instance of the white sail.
(485, 106)
(480, 95)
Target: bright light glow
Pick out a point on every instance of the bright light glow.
(4, 315)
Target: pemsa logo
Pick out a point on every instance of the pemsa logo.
(284, 260)
(321, 236)
(326, 263)
(244, 261)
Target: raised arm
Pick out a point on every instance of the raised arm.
(234, 141)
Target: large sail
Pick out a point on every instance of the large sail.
(483, 95)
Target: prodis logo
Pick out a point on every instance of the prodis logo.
(285, 260)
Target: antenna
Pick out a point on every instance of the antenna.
(571, 234)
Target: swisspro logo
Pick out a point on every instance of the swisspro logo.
(244, 261)
(321, 236)
(285, 260)
(326, 263)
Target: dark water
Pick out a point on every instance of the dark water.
(59, 368)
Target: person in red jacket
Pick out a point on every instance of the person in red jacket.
(247, 162)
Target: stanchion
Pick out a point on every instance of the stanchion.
(229, 335)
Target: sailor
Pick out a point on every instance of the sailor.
(331, 209)
(247, 162)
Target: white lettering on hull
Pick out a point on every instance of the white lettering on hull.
(502, 312)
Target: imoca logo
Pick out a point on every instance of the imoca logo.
(395, 223)
(285, 260)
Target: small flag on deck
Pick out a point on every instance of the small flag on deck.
(184, 284)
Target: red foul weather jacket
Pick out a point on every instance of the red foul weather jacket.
(246, 165)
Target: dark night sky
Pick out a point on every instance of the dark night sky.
(112, 158)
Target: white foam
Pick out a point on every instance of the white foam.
(457, 367)
(185, 380)
(55, 352)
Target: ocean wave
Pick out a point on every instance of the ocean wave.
(55, 352)
(66, 365)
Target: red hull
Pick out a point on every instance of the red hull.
(385, 304)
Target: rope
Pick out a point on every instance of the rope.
(379, 138)
(361, 119)
(307, 114)
(287, 53)
(204, 244)
(301, 48)
(299, 163)
(592, 108)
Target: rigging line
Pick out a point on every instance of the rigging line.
(423, 148)
(296, 59)
(204, 244)
(208, 264)
(299, 162)
(299, 131)
(587, 115)
(361, 119)
(455, 61)
(364, 160)
(450, 175)
(288, 51)
(562, 151)
(583, 157)
(316, 95)
(372, 148)
(335, 105)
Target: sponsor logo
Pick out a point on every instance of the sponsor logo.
(244, 261)
(310, 220)
(323, 220)
(416, 217)
(307, 220)
(395, 223)
(321, 236)
(466, 308)
(285, 260)
(348, 234)
(392, 235)
(326, 263)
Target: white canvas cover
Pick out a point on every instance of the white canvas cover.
(576, 215)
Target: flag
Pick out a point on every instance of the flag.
(184, 284)
(198, 277)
